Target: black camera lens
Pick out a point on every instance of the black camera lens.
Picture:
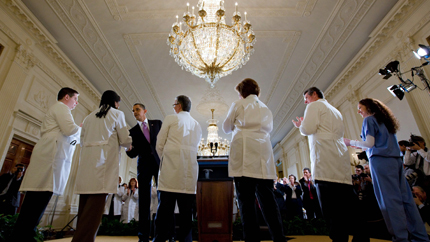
(19, 169)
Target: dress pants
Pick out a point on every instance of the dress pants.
(395, 200)
(165, 212)
(144, 177)
(32, 210)
(90, 212)
(247, 189)
(338, 205)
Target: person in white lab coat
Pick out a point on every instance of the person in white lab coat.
(113, 206)
(50, 164)
(104, 131)
(130, 201)
(177, 144)
(330, 164)
(251, 162)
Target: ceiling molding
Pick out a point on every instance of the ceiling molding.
(48, 44)
(77, 18)
(132, 40)
(379, 39)
(121, 12)
(344, 21)
(292, 38)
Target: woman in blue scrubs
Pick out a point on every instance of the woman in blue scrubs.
(386, 166)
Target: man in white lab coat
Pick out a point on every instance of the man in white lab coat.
(330, 164)
(50, 164)
(177, 144)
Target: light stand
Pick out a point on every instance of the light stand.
(408, 85)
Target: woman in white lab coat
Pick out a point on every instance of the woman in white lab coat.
(251, 162)
(130, 201)
(115, 200)
(103, 133)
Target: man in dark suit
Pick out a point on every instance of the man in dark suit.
(310, 197)
(144, 136)
(9, 186)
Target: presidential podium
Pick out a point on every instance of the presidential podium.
(214, 200)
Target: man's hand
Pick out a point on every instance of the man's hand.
(299, 121)
(129, 148)
(368, 179)
(417, 201)
(415, 147)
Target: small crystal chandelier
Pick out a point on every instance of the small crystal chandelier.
(214, 145)
(206, 46)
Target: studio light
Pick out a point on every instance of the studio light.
(422, 52)
(407, 86)
(396, 91)
(392, 67)
(400, 89)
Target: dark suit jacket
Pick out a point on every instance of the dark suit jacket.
(279, 196)
(146, 151)
(12, 196)
(306, 197)
(290, 191)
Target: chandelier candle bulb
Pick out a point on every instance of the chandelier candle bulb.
(235, 9)
(245, 16)
(177, 18)
(188, 7)
(193, 10)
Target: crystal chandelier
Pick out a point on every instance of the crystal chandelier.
(206, 46)
(214, 145)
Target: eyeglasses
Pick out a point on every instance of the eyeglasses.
(175, 104)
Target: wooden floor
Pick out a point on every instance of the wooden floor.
(299, 238)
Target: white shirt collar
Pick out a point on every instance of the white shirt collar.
(140, 123)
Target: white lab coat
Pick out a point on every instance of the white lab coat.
(177, 143)
(117, 202)
(251, 153)
(129, 207)
(51, 160)
(154, 202)
(323, 124)
(101, 139)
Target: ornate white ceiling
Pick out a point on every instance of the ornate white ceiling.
(121, 45)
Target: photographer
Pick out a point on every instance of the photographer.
(9, 186)
(417, 155)
(360, 182)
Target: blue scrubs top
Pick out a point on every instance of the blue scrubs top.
(385, 142)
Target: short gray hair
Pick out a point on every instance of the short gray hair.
(185, 102)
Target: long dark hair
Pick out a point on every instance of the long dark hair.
(109, 98)
(382, 114)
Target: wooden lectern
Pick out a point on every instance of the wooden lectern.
(214, 201)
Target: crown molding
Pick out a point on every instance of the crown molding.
(48, 44)
(77, 18)
(346, 17)
(370, 49)
(303, 8)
